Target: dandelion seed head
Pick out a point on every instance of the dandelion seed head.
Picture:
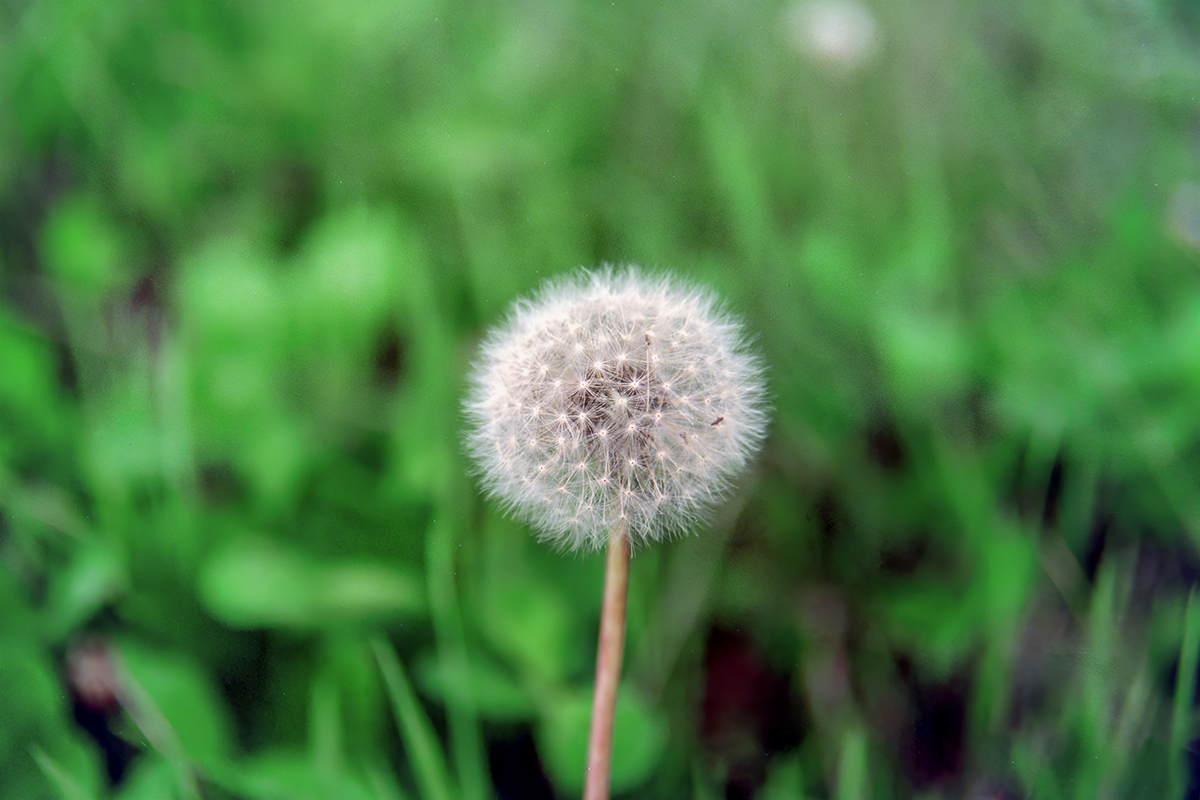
(582, 410)
(843, 35)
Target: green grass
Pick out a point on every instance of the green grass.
(246, 254)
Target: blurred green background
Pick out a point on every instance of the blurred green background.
(247, 250)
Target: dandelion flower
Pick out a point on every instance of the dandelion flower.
(614, 399)
(841, 34)
(613, 408)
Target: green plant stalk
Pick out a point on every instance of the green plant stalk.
(414, 726)
(1181, 718)
(465, 741)
(609, 653)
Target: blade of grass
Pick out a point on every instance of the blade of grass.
(157, 729)
(415, 729)
(465, 740)
(445, 534)
(1139, 707)
(1185, 695)
(383, 785)
(324, 720)
(1094, 720)
(852, 783)
(67, 786)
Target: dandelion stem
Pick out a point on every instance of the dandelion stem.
(608, 665)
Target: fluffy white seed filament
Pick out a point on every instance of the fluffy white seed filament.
(614, 397)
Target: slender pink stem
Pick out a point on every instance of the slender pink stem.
(608, 667)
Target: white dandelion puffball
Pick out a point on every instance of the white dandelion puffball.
(612, 399)
(842, 34)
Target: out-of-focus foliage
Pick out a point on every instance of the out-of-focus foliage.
(247, 249)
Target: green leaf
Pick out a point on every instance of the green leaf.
(529, 622)
(150, 777)
(289, 775)
(41, 755)
(257, 583)
(32, 418)
(94, 577)
(372, 590)
(932, 621)
(1010, 566)
(639, 739)
(349, 278)
(183, 697)
(229, 293)
(925, 350)
(478, 684)
(68, 786)
(28, 368)
(81, 245)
